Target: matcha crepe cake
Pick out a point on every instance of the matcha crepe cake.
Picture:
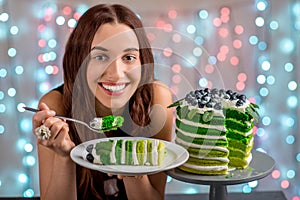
(216, 127)
(149, 152)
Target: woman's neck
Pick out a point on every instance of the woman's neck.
(102, 110)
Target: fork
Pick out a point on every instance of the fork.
(68, 119)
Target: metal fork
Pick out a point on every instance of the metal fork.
(66, 118)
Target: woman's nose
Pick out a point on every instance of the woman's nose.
(115, 69)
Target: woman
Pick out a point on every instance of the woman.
(108, 69)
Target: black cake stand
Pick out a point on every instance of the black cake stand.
(260, 167)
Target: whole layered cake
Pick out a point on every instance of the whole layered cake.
(216, 127)
(149, 152)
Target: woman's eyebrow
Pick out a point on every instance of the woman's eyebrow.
(131, 49)
(99, 48)
(104, 49)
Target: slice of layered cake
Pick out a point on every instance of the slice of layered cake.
(127, 152)
(215, 126)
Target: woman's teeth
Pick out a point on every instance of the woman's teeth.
(114, 88)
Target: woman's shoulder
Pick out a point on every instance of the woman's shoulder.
(161, 92)
(53, 99)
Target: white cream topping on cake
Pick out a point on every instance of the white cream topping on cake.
(224, 149)
(145, 152)
(223, 159)
(218, 113)
(97, 159)
(195, 135)
(134, 155)
(206, 168)
(197, 124)
(155, 152)
(123, 152)
(113, 152)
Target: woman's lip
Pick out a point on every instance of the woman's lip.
(113, 88)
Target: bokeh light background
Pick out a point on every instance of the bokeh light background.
(254, 44)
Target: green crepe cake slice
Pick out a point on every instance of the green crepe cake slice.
(127, 151)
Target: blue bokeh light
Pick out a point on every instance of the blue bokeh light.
(3, 73)
(23, 178)
(261, 5)
(29, 161)
(191, 29)
(292, 85)
(274, 25)
(253, 40)
(28, 193)
(203, 14)
(2, 129)
(286, 45)
(266, 120)
(288, 67)
(259, 21)
(290, 139)
(271, 80)
(19, 70)
(292, 102)
(26, 125)
(261, 79)
(264, 91)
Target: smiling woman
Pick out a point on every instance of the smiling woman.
(108, 70)
(115, 67)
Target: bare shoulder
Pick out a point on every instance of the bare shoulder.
(162, 93)
(53, 99)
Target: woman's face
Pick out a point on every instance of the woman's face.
(114, 70)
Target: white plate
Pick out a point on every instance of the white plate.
(175, 156)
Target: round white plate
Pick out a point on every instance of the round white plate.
(175, 156)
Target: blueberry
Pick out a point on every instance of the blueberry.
(90, 157)
(242, 97)
(209, 105)
(218, 106)
(89, 148)
(194, 102)
(233, 96)
(200, 105)
(205, 99)
(207, 90)
(229, 92)
(239, 103)
(226, 96)
(214, 91)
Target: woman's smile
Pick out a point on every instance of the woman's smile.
(113, 89)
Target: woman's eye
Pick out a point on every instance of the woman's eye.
(130, 57)
(101, 57)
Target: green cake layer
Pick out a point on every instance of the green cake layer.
(198, 130)
(128, 152)
(207, 118)
(201, 141)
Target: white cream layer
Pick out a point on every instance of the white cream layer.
(209, 137)
(206, 168)
(180, 141)
(197, 124)
(224, 159)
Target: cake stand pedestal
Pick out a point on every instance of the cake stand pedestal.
(260, 167)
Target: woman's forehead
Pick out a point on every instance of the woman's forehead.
(115, 36)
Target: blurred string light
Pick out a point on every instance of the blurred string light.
(51, 17)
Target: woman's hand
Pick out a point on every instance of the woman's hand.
(119, 176)
(59, 140)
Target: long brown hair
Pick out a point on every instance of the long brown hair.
(76, 93)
